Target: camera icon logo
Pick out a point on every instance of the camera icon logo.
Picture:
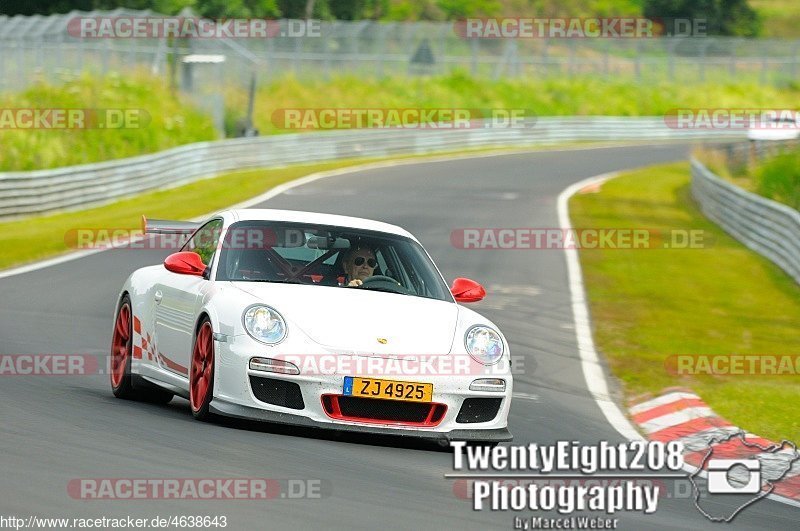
(734, 476)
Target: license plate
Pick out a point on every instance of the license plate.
(387, 389)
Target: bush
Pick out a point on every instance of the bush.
(723, 17)
(779, 178)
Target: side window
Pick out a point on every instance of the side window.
(204, 241)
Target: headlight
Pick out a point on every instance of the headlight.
(264, 324)
(484, 344)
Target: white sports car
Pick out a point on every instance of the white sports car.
(314, 320)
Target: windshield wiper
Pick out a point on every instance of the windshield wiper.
(382, 290)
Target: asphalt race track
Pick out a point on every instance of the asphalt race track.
(55, 429)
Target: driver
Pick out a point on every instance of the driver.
(358, 263)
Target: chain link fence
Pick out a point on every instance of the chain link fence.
(44, 48)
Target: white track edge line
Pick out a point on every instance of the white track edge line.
(663, 400)
(590, 361)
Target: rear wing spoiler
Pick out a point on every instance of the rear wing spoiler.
(168, 226)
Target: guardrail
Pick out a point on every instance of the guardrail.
(42, 191)
(765, 226)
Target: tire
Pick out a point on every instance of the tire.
(154, 395)
(121, 347)
(121, 356)
(201, 371)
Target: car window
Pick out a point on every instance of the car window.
(204, 240)
(315, 255)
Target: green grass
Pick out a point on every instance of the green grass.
(171, 122)
(580, 95)
(724, 299)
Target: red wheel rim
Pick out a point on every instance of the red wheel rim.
(119, 345)
(202, 367)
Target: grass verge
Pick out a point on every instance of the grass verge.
(722, 299)
(166, 120)
(160, 120)
(543, 96)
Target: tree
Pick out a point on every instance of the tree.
(723, 17)
(207, 8)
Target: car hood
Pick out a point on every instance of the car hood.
(352, 321)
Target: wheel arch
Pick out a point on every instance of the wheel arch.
(200, 318)
(208, 310)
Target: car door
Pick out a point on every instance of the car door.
(176, 300)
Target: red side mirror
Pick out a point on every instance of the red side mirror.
(185, 263)
(466, 290)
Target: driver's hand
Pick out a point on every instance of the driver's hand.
(354, 282)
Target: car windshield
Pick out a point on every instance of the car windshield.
(324, 255)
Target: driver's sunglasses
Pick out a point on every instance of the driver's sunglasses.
(371, 262)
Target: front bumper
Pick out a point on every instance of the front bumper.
(229, 409)
(234, 395)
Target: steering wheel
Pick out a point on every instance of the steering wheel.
(383, 283)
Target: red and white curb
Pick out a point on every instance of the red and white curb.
(680, 415)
